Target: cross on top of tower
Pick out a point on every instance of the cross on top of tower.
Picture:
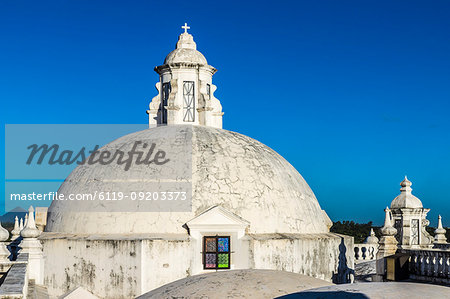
(185, 27)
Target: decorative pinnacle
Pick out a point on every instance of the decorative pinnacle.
(30, 230)
(185, 27)
(440, 229)
(440, 233)
(21, 224)
(4, 233)
(30, 219)
(371, 239)
(16, 231)
(388, 229)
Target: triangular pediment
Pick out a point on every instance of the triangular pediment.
(217, 216)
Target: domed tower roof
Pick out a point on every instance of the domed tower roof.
(406, 199)
(185, 88)
(230, 170)
(185, 51)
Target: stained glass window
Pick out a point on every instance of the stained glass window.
(210, 262)
(223, 260)
(223, 244)
(211, 245)
(216, 252)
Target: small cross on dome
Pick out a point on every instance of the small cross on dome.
(185, 27)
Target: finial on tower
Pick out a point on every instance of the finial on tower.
(406, 185)
(185, 27)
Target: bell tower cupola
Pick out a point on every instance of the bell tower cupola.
(185, 89)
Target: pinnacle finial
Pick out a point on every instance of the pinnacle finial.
(30, 230)
(388, 229)
(4, 252)
(387, 218)
(4, 233)
(440, 237)
(185, 27)
(29, 218)
(406, 185)
(16, 231)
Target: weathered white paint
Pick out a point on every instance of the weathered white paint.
(407, 208)
(123, 266)
(31, 246)
(230, 170)
(237, 284)
(185, 63)
(219, 221)
(240, 188)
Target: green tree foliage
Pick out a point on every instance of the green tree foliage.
(360, 231)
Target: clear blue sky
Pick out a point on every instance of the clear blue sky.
(355, 94)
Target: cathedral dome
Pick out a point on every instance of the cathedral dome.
(227, 169)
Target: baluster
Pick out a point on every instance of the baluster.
(421, 265)
(435, 265)
(447, 267)
(417, 264)
(375, 252)
(440, 265)
(370, 252)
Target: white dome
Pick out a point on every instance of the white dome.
(237, 284)
(186, 56)
(228, 169)
(185, 52)
(405, 199)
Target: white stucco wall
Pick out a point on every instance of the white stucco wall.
(325, 256)
(126, 266)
